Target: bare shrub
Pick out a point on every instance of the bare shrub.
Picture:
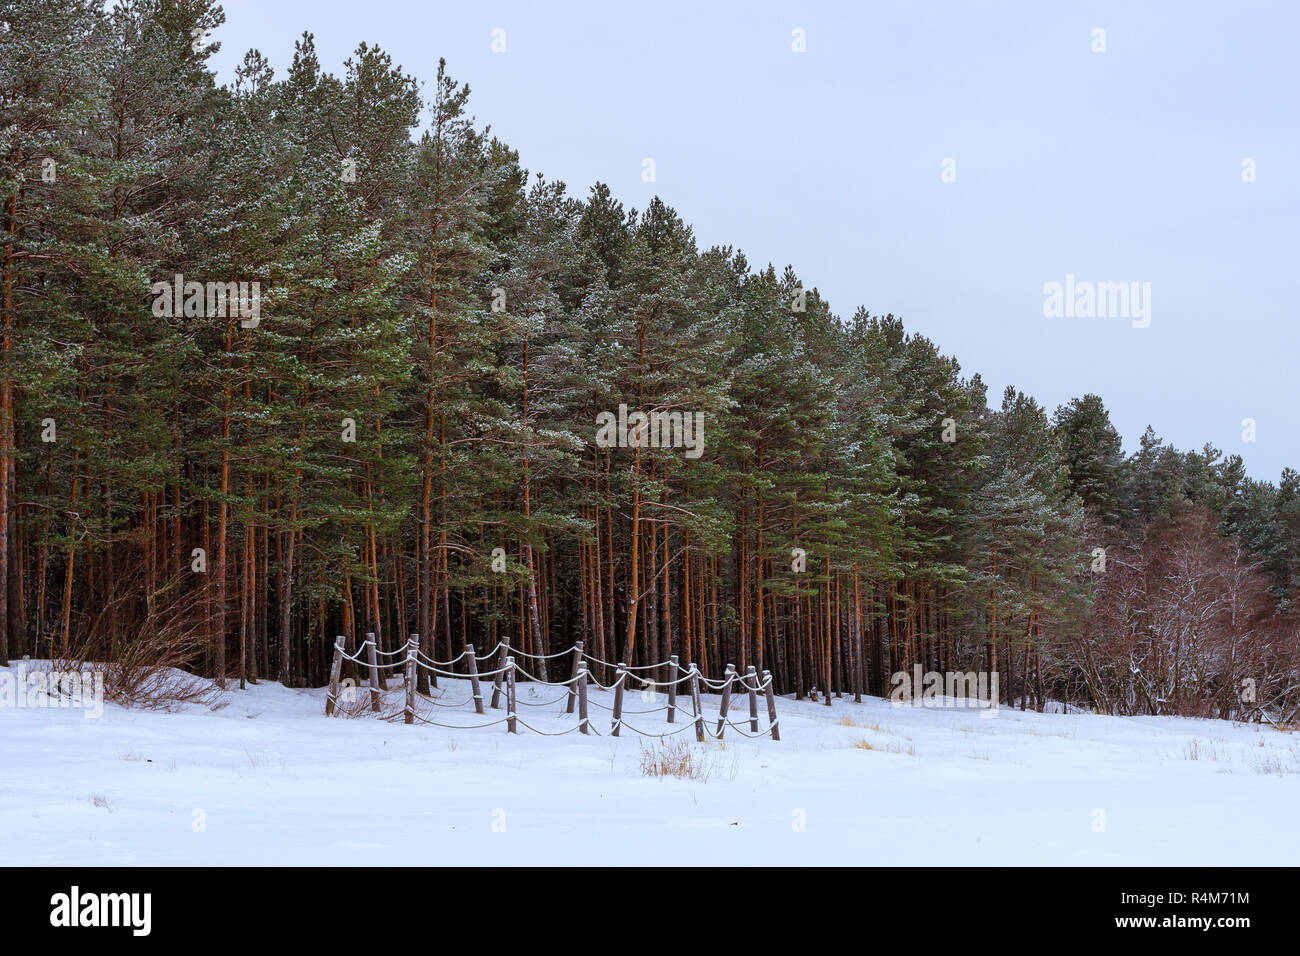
(354, 701)
(150, 668)
(1184, 623)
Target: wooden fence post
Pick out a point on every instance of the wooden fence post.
(411, 645)
(753, 699)
(372, 662)
(619, 680)
(582, 699)
(496, 678)
(510, 695)
(726, 701)
(332, 697)
(472, 663)
(672, 689)
(695, 703)
(771, 706)
(573, 682)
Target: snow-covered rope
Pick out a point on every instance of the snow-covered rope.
(720, 685)
(544, 733)
(620, 724)
(425, 720)
(718, 733)
(549, 683)
(484, 655)
(647, 682)
(539, 657)
(738, 677)
(436, 703)
(655, 710)
(451, 663)
(628, 667)
(543, 703)
(430, 662)
(344, 654)
(452, 674)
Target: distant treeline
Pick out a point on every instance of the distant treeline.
(422, 413)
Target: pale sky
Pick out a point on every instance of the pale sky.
(1119, 166)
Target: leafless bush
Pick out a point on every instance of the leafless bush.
(150, 668)
(354, 701)
(1184, 624)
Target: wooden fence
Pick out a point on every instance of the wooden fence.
(575, 695)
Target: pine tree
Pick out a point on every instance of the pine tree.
(1093, 454)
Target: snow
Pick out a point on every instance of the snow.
(266, 778)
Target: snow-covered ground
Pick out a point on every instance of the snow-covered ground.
(266, 778)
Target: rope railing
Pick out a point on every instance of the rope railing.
(414, 663)
(536, 657)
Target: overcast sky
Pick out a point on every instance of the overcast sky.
(1117, 166)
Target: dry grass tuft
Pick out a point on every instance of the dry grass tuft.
(679, 759)
(892, 747)
(1274, 761)
(1197, 749)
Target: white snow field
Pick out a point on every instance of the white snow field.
(265, 778)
